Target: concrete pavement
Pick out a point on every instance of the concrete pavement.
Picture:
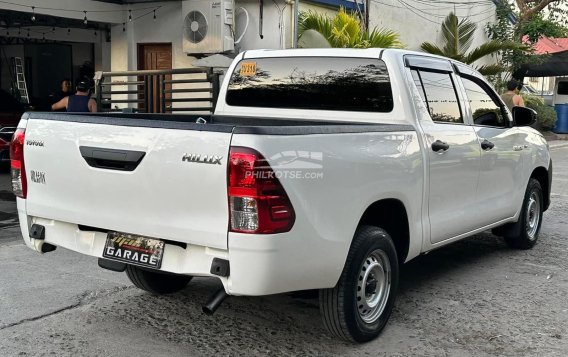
(473, 298)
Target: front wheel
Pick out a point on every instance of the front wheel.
(524, 232)
(359, 306)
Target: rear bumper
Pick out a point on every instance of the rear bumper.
(259, 265)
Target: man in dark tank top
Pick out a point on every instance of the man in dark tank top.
(80, 102)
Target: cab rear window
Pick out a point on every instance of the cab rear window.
(319, 83)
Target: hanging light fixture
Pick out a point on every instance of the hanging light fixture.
(85, 21)
(33, 13)
(68, 31)
(129, 15)
(154, 14)
(124, 27)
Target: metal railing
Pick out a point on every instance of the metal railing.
(158, 91)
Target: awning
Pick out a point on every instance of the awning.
(554, 65)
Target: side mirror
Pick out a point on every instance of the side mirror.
(523, 116)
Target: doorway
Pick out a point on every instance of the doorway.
(155, 56)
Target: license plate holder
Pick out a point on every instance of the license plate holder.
(134, 249)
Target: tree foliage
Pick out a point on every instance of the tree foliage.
(539, 27)
(456, 40)
(529, 9)
(546, 117)
(346, 31)
(525, 21)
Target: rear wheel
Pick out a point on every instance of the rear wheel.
(359, 306)
(156, 282)
(524, 233)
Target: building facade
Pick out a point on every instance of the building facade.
(119, 35)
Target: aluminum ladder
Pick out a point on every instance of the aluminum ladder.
(21, 80)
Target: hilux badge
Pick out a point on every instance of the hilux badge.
(202, 159)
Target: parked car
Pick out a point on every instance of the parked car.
(561, 91)
(546, 97)
(11, 111)
(320, 169)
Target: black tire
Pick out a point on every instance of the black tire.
(521, 234)
(343, 314)
(156, 282)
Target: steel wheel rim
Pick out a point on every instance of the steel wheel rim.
(533, 215)
(373, 286)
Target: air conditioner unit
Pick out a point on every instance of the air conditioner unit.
(207, 26)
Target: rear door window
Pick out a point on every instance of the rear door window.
(319, 83)
(440, 95)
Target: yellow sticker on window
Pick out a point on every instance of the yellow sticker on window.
(248, 69)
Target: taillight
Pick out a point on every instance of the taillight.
(257, 201)
(19, 183)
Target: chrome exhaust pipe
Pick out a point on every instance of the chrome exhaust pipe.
(214, 302)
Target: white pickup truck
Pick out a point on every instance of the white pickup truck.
(320, 169)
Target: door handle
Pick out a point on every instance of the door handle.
(440, 146)
(487, 145)
(111, 159)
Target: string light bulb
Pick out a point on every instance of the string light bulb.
(129, 15)
(95, 33)
(124, 27)
(68, 31)
(85, 21)
(33, 13)
(154, 14)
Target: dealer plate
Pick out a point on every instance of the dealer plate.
(133, 249)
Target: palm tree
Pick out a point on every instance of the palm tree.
(457, 36)
(345, 31)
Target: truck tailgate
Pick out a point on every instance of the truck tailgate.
(170, 194)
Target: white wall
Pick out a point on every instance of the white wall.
(270, 28)
(168, 29)
(420, 21)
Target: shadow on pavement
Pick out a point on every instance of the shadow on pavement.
(252, 323)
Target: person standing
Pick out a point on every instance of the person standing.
(511, 97)
(64, 91)
(80, 102)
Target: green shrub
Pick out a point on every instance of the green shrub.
(546, 118)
